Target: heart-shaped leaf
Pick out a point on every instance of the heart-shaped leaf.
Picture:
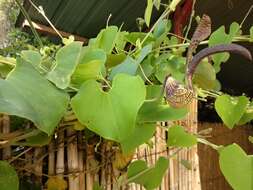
(237, 167)
(111, 114)
(231, 109)
(142, 133)
(150, 177)
(8, 177)
(179, 138)
(28, 94)
(67, 59)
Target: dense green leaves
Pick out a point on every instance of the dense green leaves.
(27, 94)
(220, 37)
(149, 177)
(130, 65)
(231, 109)
(111, 114)
(8, 177)
(67, 59)
(178, 137)
(237, 167)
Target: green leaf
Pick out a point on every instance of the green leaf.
(69, 40)
(141, 134)
(27, 94)
(247, 116)
(90, 66)
(121, 41)
(112, 114)
(115, 59)
(170, 64)
(161, 31)
(148, 12)
(96, 186)
(150, 177)
(8, 177)
(251, 33)
(231, 109)
(237, 167)
(205, 75)
(106, 39)
(220, 37)
(6, 65)
(130, 65)
(67, 59)
(156, 111)
(157, 4)
(179, 138)
(146, 68)
(33, 57)
(134, 36)
(39, 140)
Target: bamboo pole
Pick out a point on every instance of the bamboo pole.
(5, 130)
(38, 163)
(182, 178)
(51, 158)
(81, 161)
(60, 154)
(89, 176)
(72, 156)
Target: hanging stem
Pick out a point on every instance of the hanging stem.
(35, 33)
(41, 11)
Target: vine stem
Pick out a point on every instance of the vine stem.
(206, 142)
(190, 22)
(243, 38)
(35, 33)
(41, 11)
(246, 16)
(170, 8)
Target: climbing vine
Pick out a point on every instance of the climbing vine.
(120, 85)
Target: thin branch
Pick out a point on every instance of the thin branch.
(35, 33)
(41, 11)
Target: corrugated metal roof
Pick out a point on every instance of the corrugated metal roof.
(87, 17)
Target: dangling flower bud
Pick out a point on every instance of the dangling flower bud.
(176, 94)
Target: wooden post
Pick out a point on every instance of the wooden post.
(182, 178)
